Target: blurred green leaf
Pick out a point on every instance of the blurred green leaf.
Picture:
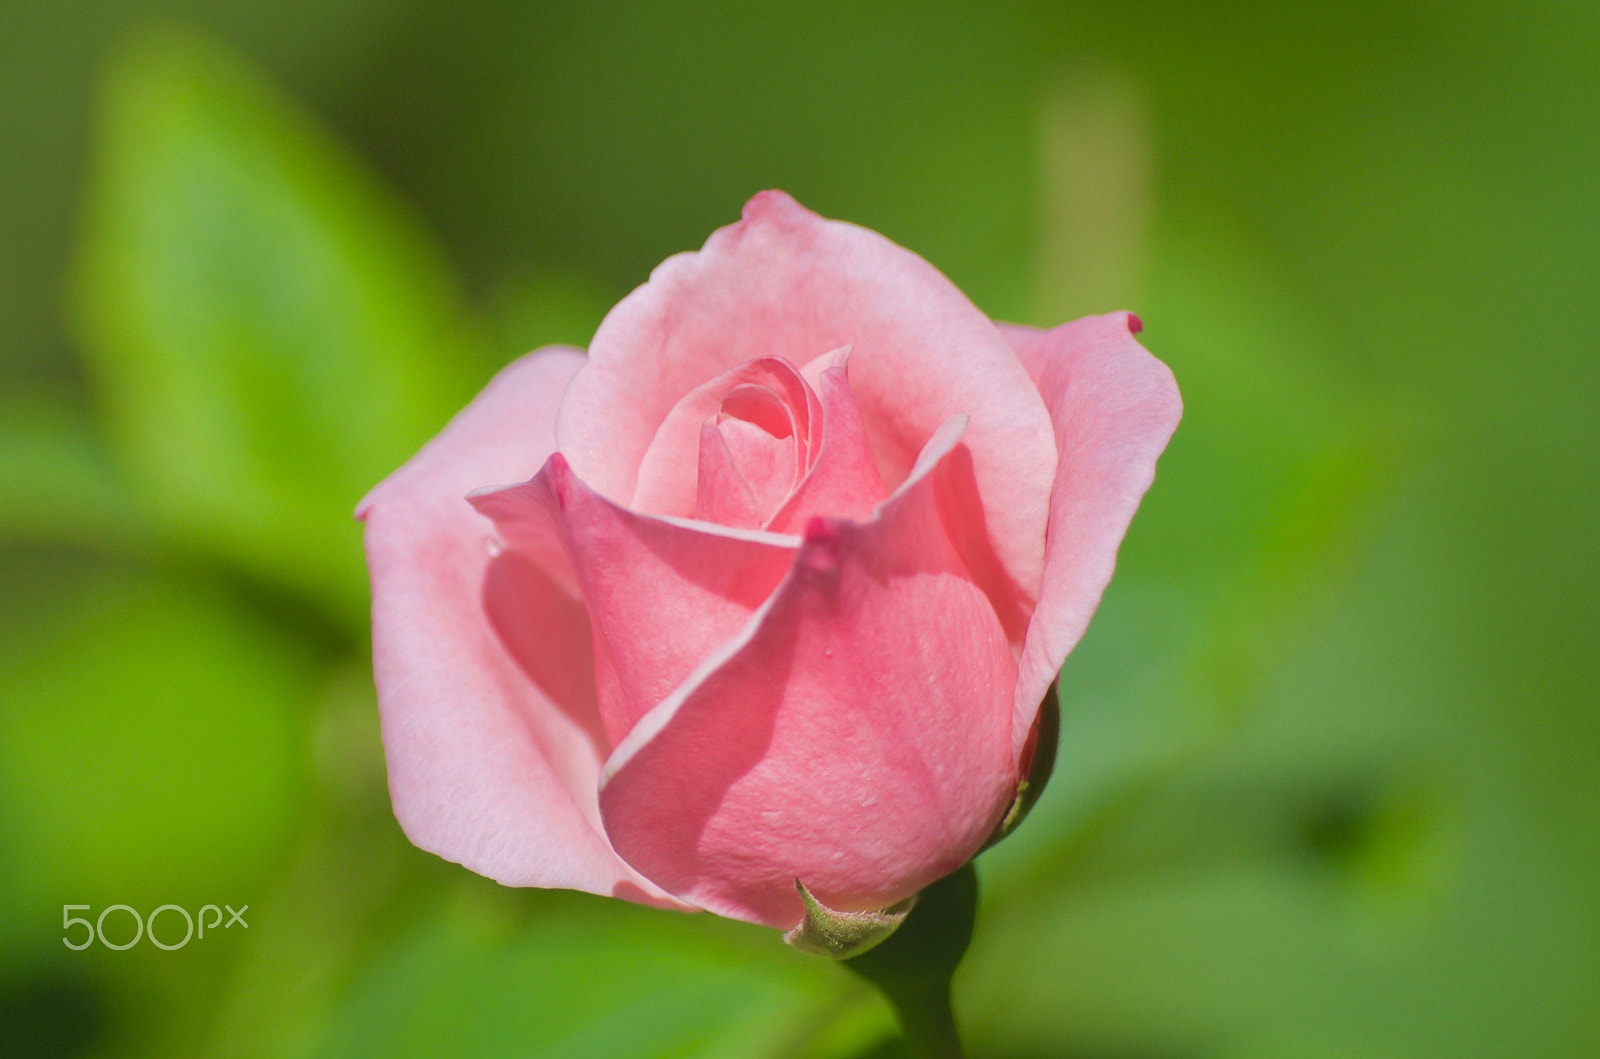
(149, 751)
(584, 977)
(269, 331)
(352, 880)
(150, 755)
(56, 481)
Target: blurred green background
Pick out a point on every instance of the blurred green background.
(1330, 772)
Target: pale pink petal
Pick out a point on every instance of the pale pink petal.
(662, 594)
(1113, 406)
(842, 737)
(724, 496)
(843, 481)
(765, 462)
(786, 283)
(490, 764)
(667, 476)
(813, 369)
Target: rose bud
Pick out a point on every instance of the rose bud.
(768, 587)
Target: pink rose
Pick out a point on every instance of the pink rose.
(806, 541)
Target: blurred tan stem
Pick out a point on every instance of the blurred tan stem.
(1096, 184)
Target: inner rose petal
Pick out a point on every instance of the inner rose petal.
(725, 497)
(760, 406)
(842, 480)
(764, 446)
(754, 435)
(767, 393)
(763, 461)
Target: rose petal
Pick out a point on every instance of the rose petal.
(724, 496)
(1113, 406)
(841, 737)
(662, 594)
(784, 282)
(766, 463)
(761, 407)
(486, 766)
(667, 478)
(843, 481)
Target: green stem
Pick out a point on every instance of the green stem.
(913, 967)
(929, 1024)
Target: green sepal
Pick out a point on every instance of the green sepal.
(841, 935)
(1040, 763)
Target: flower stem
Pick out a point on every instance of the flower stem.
(914, 966)
(929, 1024)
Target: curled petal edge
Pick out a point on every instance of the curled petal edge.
(1113, 408)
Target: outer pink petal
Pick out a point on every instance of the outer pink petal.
(784, 282)
(485, 767)
(662, 594)
(856, 735)
(1113, 406)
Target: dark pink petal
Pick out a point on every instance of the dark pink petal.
(843, 480)
(762, 407)
(1113, 406)
(667, 477)
(856, 733)
(491, 763)
(662, 594)
(786, 283)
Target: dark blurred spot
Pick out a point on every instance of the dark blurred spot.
(1335, 829)
(50, 1016)
(894, 1048)
(283, 606)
